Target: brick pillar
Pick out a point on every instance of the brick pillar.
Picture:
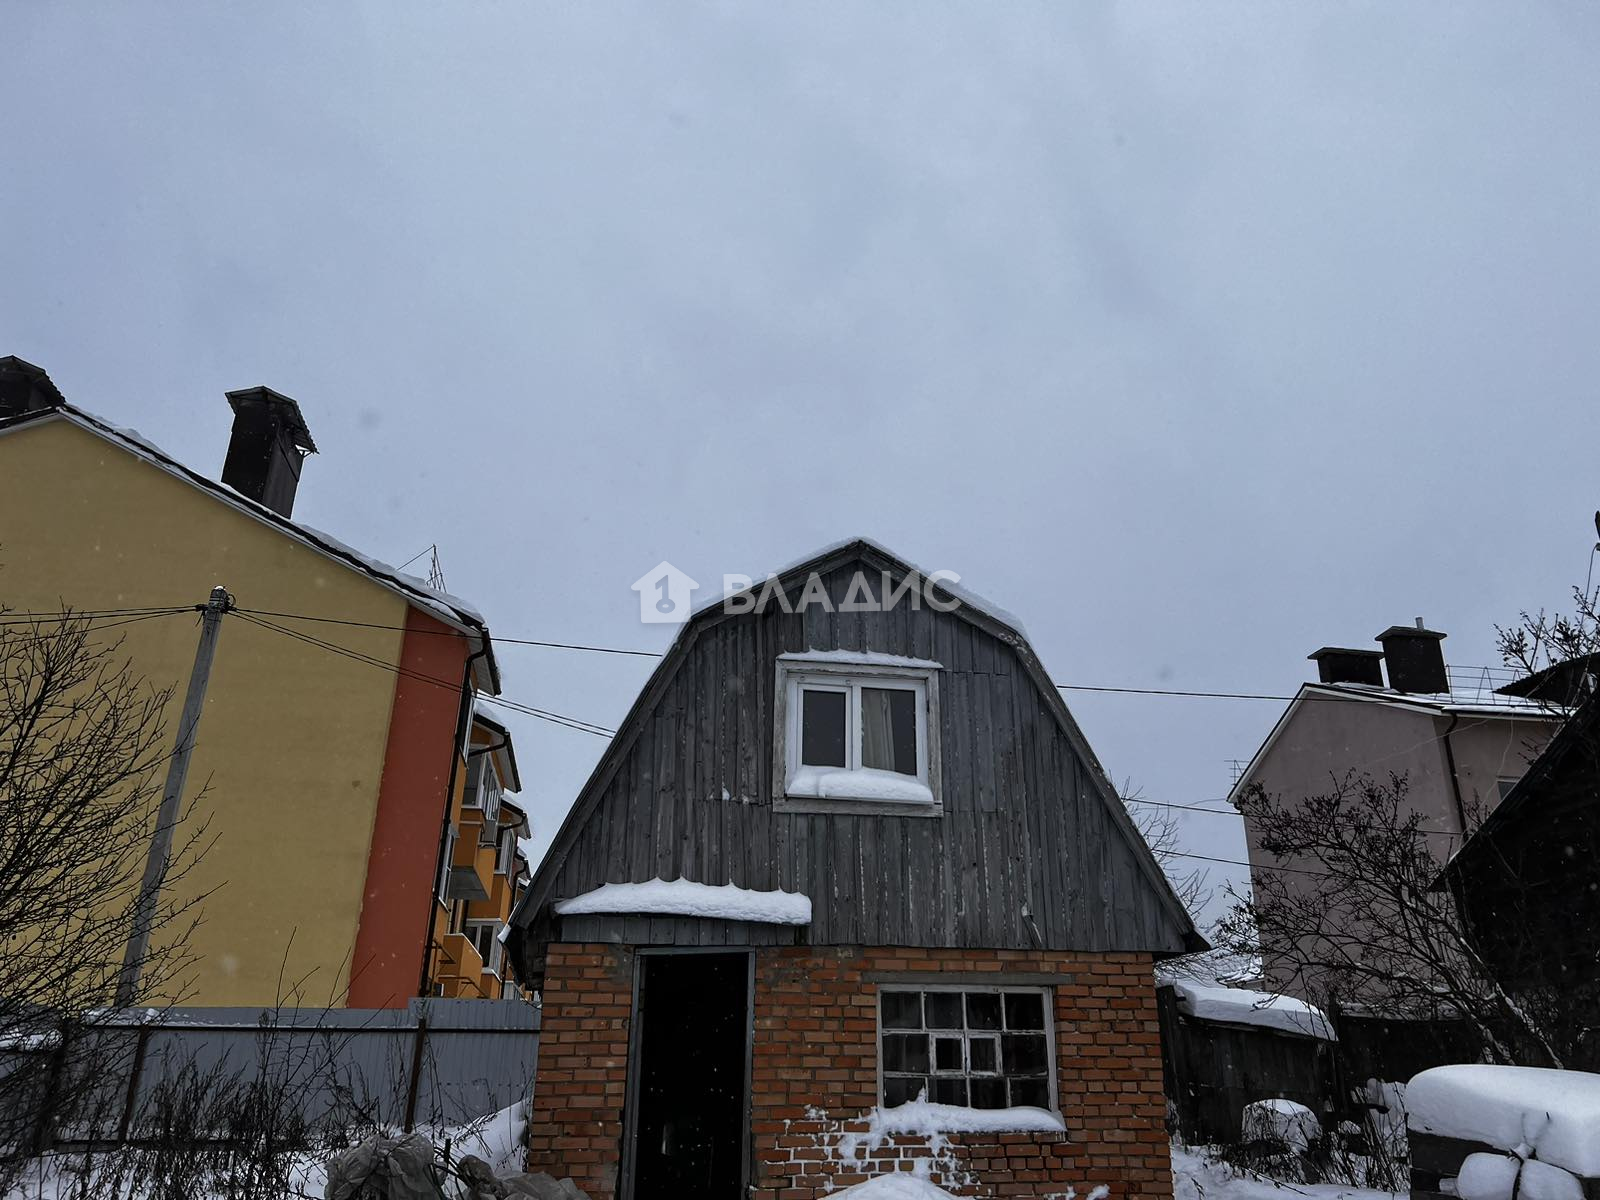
(575, 1128)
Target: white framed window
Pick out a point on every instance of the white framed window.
(442, 884)
(506, 856)
(476, 769)
(485, 935)
(857, 733)
(975, 1046)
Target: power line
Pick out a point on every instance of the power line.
(506, 641)
(13, 617)
(554, 718)
(1234, 862)
(1128, 691)
(1215, 812)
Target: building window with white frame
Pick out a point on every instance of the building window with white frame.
(858, 730)
(977, 1047)
(485, 936)
(442, 884)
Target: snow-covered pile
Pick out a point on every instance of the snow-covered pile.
(1282, 1121)
(684, 898)
(1555, 1114)
(1506, 1177)
(1241, 1006)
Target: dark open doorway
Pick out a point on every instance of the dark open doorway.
(689, 1075)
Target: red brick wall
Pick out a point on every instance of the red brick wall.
(575, 1128)
(815, 1074)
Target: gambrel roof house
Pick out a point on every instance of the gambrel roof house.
(848, 849)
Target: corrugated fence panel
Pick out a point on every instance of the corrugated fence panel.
(438, 1062)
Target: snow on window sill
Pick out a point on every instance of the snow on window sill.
(866, 784)
(926, 1118)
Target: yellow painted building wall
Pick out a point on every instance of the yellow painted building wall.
(293, 738)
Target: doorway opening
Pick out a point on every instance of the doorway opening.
(690, 1075)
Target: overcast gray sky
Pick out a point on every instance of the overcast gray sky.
(1198, 336)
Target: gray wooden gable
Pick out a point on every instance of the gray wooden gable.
(1033, 848)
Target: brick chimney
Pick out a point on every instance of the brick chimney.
(1339, 664)
(1414, 657)
(25, 388)
(270, 441)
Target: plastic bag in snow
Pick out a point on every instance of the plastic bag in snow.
(381, 1168)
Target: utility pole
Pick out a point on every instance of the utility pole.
(155, 867)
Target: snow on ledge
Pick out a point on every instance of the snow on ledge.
(1557, 1113)
(1241, 1006)
(928, 1119)
(684, 898)
(861, 658)
(865, 783)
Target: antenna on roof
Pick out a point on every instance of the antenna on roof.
(436, 572)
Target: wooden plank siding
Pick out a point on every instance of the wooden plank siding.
(1032, 850)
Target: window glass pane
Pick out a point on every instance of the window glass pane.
(1030, 1093)
(902, 1090)
(944, 1010)
(988, 1093)
(821, 728)
(983, 1056)
(905, 1052)
(902, 1010)
(949, 1091)
(983, 1010)
(889, 729)
(1024, 1010)
(1023, 1054)
(947, 1054)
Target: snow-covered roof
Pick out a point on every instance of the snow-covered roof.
(684, 898)
(1555, 1113)
(452, 610)
(1242, 1006)
(865, 658)
(969, 598)
(1480, 702)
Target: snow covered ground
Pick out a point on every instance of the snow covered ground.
(1196, 1179)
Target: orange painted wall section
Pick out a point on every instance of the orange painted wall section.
(397, 903)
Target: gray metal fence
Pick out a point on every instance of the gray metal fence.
(437, 1062)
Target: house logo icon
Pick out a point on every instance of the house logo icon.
(664, 595)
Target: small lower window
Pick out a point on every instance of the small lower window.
(976, 1048)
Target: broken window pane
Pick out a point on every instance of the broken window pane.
(902, 1090)
(947, 1054)
(1024, 1010)
(988, 1093)
(1030, 1093)
(1023, 1054)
